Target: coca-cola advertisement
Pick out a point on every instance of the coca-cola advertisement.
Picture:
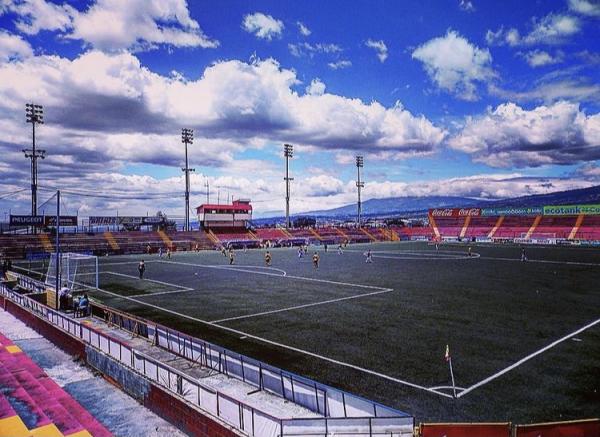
(455, 212)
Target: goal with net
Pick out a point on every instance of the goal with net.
(78, 272)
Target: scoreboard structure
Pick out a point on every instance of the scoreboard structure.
(235, 215)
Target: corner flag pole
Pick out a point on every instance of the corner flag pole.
(449, 360)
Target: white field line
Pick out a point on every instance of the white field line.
(300, 278)
(243, 268)
(182, 288)
(429, 258)
(161, 292)
(527, 358)
(544, 261)
(446, 387)
(281, 345)
(297, 307)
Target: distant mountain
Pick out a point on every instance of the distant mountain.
(414, 206)
(394, 205)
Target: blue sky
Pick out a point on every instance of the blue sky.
(473, 98)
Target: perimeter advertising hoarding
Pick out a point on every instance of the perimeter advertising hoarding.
(126, 220)
(65, 220)
(455, 212)
(572, 209)
(26, 220)
(496, 212)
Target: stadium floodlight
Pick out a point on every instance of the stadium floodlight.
(34, 114)
(187, 137)
(359, 185)
(288, 152)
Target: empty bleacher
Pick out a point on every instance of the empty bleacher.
(589, 229)
(480, 226)
(32, 404)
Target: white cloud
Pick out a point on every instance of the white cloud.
(316, 87)
(466, 5)
(512, 136)
(338, 65)
(37, 15)
(540, 58)
(455, 65)
(379, 47)
(116, 25)
(585, 7)
(13, 47)
(102, 109)
(551, 29)
(303, 29)
(552, 91)
(263, 26)
(306, 49)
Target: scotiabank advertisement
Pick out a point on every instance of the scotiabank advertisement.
(455, 212)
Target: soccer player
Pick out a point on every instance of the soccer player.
(300, 252)
(160, 252)
(470, 254)
(315, 260)
(340, 251)
(231, 256)
(169, 253)
(369, 259)
(268, 259)
(141, 269)
(523, 255)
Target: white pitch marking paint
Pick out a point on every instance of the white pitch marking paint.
(527, 358)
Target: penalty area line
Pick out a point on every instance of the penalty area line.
(527, 358)
(307, 305)
(281, 345)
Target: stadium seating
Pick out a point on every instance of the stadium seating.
(560, 227)
(589, 229)
(32, 404)
(480, 226)
(271, 234)
(514, 227)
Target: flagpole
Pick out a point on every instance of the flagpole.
(452, 375)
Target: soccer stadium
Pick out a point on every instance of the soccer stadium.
(225, 247)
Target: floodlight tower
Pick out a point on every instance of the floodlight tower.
(34, 114)
(288, 152)
(187, 137)
(359, 186)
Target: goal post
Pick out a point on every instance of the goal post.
(78, 272)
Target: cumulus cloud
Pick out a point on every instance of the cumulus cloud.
(13, 47)
(455, 65)
(303, 29)
(37, 15)
(106, 110)
(585, 7)
(551, 29)
(339, 65)
(379, 47)
(316, 87)
(512, 136)
(540, 58)
(263, 26)
(114, 25)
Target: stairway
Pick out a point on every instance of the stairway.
(496, 226)
(32, 404)
(531, 230)
(112, 242)
(46, 243)
(576, 227)
(165, 238)
(368, 234)
(213, 237)
(433, 225)
(463, 231)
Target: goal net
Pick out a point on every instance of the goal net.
(538, 238)
(78, 272)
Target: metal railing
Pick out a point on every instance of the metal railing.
(344, 413)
